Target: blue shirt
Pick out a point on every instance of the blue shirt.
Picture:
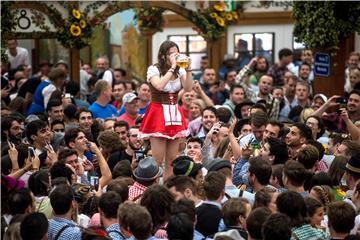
(114, 232)
(98, 111)
(73, 232)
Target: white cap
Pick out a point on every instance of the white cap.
(129, 97)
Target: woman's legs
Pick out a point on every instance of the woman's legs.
(167, 149)
(158, 149)
(172, 150)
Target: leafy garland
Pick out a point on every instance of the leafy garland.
(75, 31)
(212, 22)
(322, 24)
(149, 18)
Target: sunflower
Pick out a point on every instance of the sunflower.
(213, 15)
(229, 16)
(75, 30)
(218, 7)
(220, 21)
(235, 15)
(76, 14)
(82, 23)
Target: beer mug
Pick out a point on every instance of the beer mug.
(182, 61)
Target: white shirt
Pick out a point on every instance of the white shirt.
(46, 92)
(22, 57)
(171, 86)
(108, 77)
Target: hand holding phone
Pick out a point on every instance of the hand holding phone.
(139, 155)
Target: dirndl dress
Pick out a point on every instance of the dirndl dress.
(163, 117)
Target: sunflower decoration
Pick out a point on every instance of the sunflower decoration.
(76, 32)
(213, 21)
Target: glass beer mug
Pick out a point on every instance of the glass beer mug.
(182, 61)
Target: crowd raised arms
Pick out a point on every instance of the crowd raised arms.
(181, 154)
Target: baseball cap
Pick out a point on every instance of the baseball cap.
(129, 97)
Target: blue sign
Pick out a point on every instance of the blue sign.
(322, 64)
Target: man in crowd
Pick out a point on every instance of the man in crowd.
(101, 108)
(55, 110)
(277, 71)
(131, 104)
(237, 96)
(103, 70)
(17, 55)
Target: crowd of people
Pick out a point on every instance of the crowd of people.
(258, 154)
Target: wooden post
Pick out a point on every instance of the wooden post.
(148, 34)
(216, 51)
(75, 65)
(334, 84)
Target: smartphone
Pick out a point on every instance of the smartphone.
(31, 151)
(139, 155)
(94, 182)
(341, 100)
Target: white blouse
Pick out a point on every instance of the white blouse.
(171, 86)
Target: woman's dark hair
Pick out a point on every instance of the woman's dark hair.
(336, 170)
(163, 52)
(158, 200)
(321, 178)
(293, 205)
(312, 205)
(39, 183)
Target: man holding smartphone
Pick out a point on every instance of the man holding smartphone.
(333, 120)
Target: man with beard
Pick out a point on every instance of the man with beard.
(265, 87)
(11, 130)
(134, 143)
(304, 74)
(332, 120)
(209, 117)
(296, 137)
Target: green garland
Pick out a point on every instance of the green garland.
(322, 24)
(75, 31)
(212, 22)
(149, 18)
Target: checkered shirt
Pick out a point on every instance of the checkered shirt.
(135, 191)
(73, 232)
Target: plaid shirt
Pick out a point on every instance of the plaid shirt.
(271, 103)
(277, 73)
(136, 191)
(57, 223)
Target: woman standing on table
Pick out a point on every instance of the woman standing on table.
(163, 121)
